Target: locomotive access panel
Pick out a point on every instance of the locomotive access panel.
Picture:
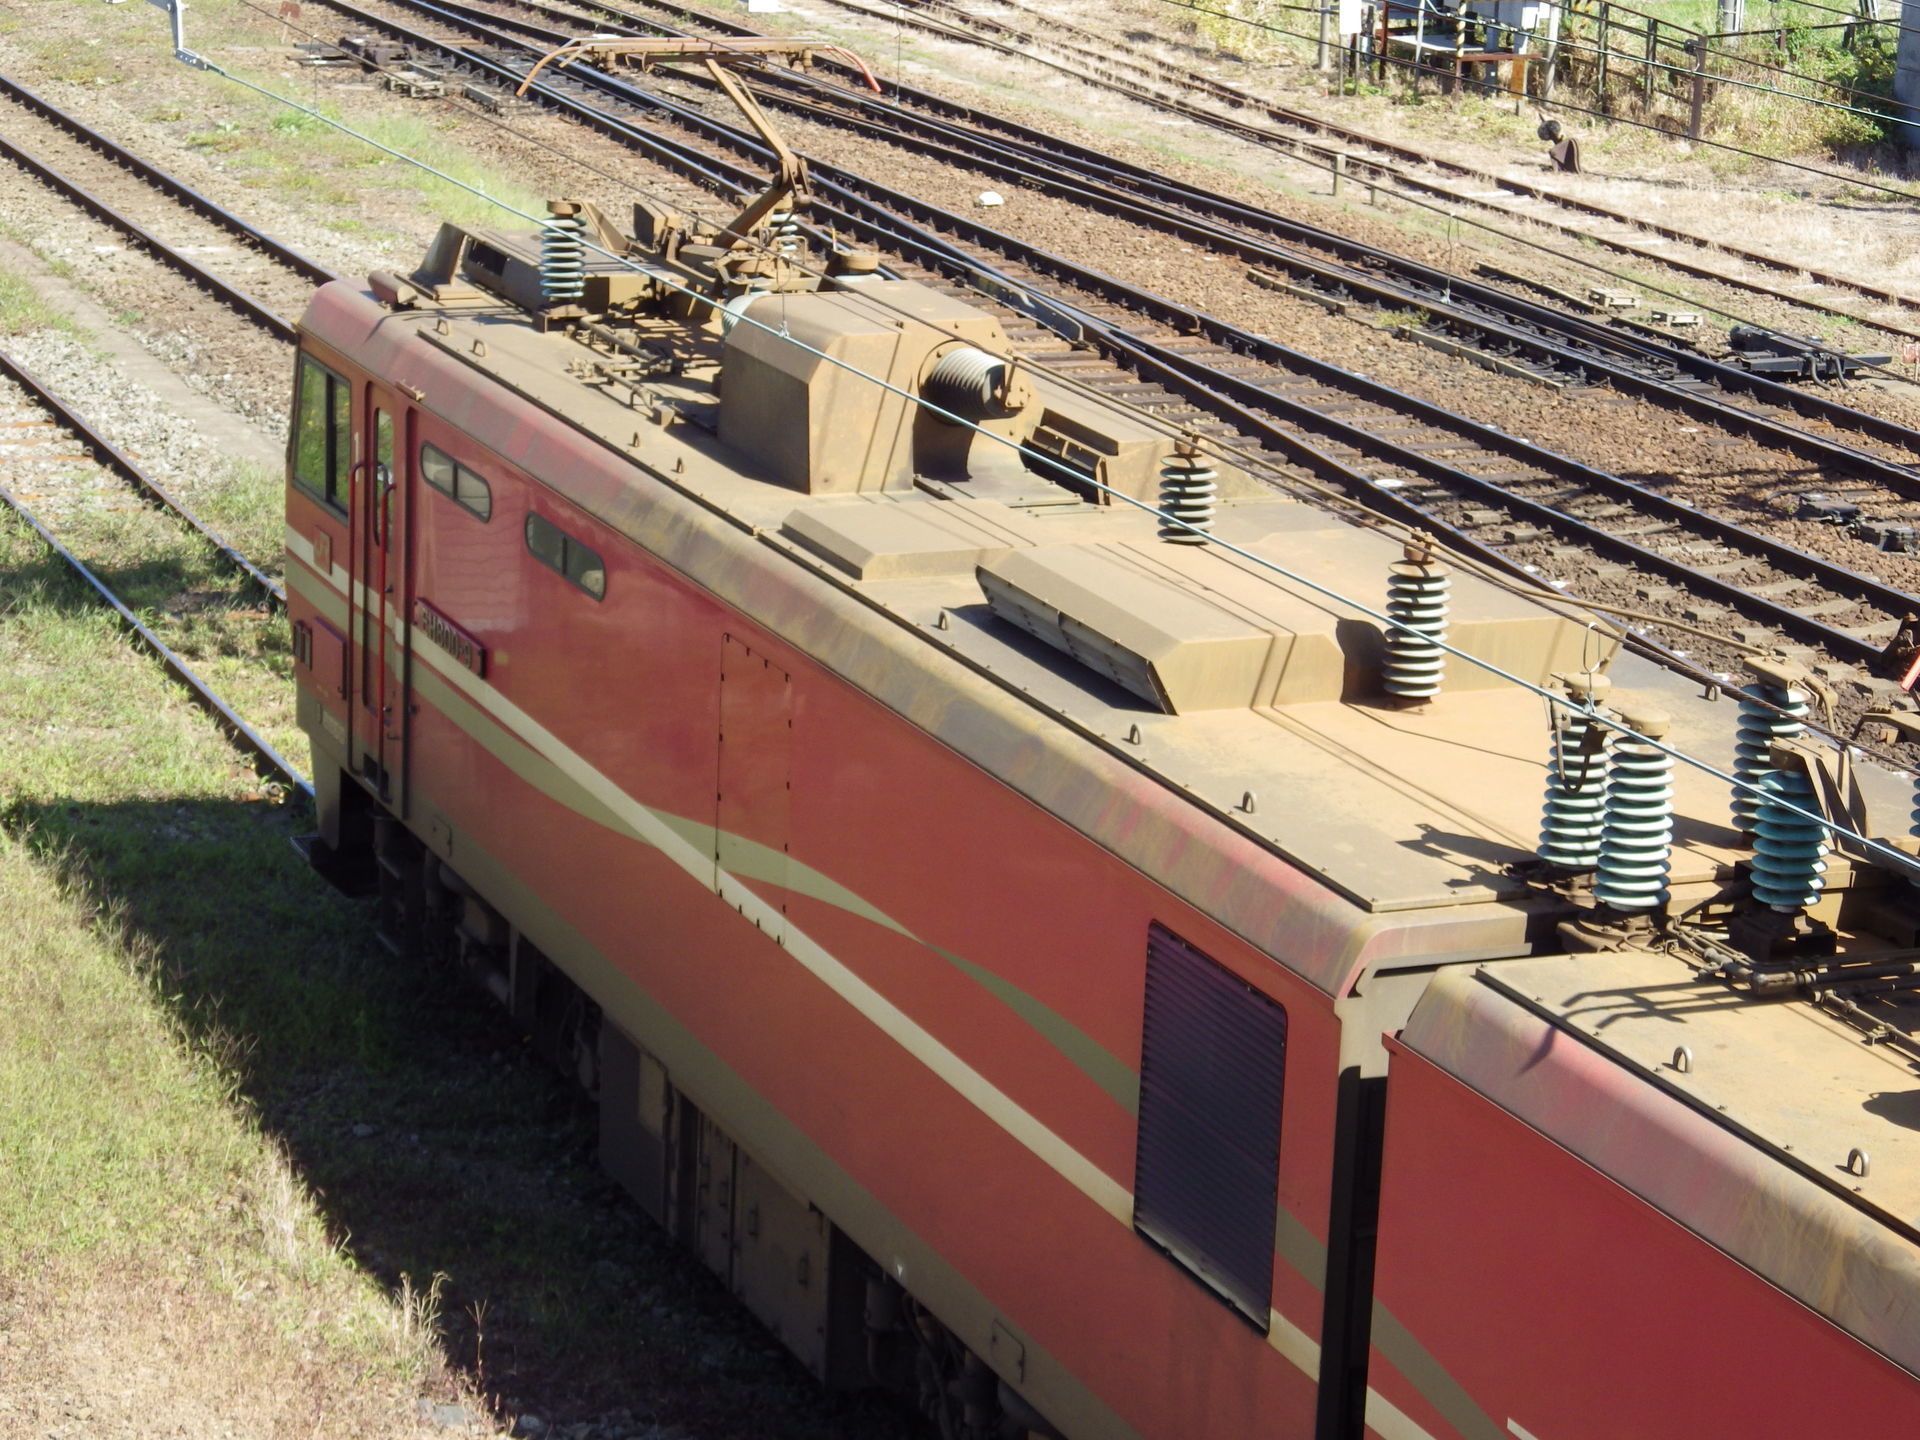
(752, 789)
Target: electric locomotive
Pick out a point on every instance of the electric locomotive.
(1036, 930)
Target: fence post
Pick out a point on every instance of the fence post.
(1606, 48)
(1339, 170)
(1554, 22)
(1653, 59)
(1699, 48)
(1320, 46)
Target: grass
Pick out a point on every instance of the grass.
(302, 156)
(141, 1202)
(21, 310)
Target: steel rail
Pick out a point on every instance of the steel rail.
(1347, 136)
(1102, 182)
(222, 289)
(109, 455)
(269, 762)
(850, 208)
(1623, 358)
(1231, 95)
(1785, 559)
(1632, 362)
(168, 185)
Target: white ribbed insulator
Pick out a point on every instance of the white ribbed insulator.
(1416, 596)
(784, 230)
(1759, 727)
(1636, 837)
(1188, 489)
(1789, 867)
(563, 259)
(1576, 794)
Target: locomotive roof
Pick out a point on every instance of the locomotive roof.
(1795, 1140)
(1396, 809)
(995, 601)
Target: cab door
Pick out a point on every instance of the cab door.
(380, 593)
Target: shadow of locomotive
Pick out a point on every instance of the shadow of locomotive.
(432, 1138)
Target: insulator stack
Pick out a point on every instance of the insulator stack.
(1570, 831)
(1789, 850)
(784, 229)
(1187, 490)
(1760, 726)
(1417, 596)
(563, 255)
(973, 385)
(1636, 834)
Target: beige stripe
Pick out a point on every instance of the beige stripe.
(674, 839)
(1389, 1422)
(1293, 1342)
(697, 862)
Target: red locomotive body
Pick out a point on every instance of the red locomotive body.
(977, 917)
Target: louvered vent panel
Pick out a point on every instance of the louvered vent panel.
(1211, 1077)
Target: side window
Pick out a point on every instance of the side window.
(467, 488)
(322, 433)
(1212, 1073)
(564, 555)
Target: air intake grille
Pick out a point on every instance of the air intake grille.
(1211, 1078)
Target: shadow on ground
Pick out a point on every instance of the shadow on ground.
(436, 1142)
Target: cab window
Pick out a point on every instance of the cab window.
(467, 488)
(322, 433)
(564, 555)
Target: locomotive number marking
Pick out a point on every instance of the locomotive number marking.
(469, 652)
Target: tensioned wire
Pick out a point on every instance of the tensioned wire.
(1453, 217)
(1437, 208)
(1539, 592)
(1900, 861)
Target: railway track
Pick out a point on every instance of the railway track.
(260, 278)
(1501, 329)
(1406, 170)
(1509, 331)
(63, 476)
(1497, 496)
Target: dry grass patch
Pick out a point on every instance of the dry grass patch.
(162, 1268)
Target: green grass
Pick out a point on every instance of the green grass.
(21, 310)
(302, 156)
(223, 1104)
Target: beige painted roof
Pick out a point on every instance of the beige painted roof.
(1397, 809)
(1803, 1083)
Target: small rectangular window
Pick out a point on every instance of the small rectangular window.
(322, 433)
(468, 488)
(1207, 1171)
(564, 555)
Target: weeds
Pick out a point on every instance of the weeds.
(1407, 319)
(21, 310)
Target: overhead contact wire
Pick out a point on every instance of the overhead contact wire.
(1904, 863)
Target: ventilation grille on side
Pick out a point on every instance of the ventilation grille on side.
(1211, 1078)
